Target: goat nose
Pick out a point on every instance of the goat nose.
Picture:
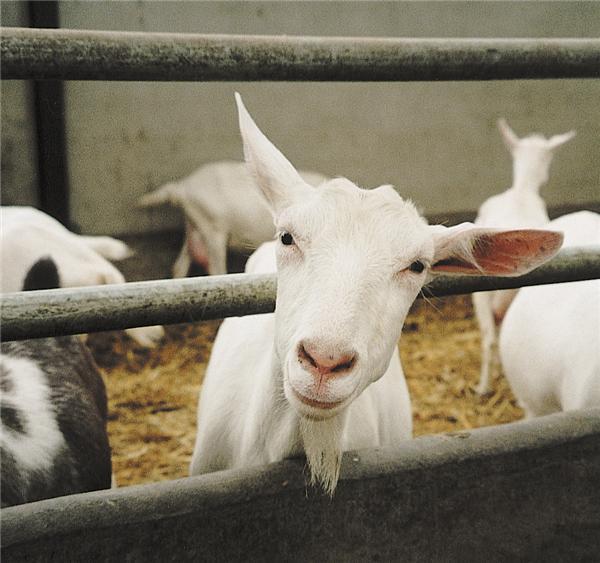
(329, 360)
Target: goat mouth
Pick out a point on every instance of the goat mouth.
(324, 405)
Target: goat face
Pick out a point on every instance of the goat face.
(350, 263)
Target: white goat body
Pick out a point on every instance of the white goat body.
(223, 209)
(246, 421)
(550, 337)
(29, 235)
(53, 405)
(322, 374)
(518, 207)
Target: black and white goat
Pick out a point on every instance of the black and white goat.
(53, 409)
(28, 235)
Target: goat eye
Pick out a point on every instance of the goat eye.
(417, 267)
(286, 238)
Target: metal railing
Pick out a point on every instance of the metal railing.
(110, 307)
(67, 54)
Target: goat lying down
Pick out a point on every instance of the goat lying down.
(29, 235)
(550, 338)
(53, 414)
(222, 209)
(322, 374)
(521, 206)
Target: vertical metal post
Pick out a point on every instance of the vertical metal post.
(50, 125)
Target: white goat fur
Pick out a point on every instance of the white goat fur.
(344, 289)
(518, 207)
(222, 209)
(550, 338)
(29, 234)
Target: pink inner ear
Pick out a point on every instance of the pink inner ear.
(506, 253)
(515, 252)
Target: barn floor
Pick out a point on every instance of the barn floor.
(153, 393)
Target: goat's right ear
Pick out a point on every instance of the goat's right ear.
(508, 135)
(278, 180)
(471, 250)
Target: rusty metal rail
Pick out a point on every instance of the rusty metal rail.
(110, 307)
(67, 54)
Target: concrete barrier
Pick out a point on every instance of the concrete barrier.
(523, 491)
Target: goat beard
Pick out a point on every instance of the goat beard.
(323, 448)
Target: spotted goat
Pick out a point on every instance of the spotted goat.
(53, 413)
(29, 235)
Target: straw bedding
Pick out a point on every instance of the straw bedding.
(153, 393)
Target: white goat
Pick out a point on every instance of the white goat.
(53, 405)
(550, 337)
(29, 235)
(518, 207)
(350, 263)
(222, 209)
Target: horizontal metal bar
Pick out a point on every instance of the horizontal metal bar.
(68, 54)
(570, 265)
(110, 307)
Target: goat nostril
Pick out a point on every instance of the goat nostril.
(323, 364)
(304, 355)
(344, 366)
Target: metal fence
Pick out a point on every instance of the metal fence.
(67, 54)
(110, 307)
(209, 515)
(99, 55)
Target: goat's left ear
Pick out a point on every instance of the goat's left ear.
(278, 180)
(558, 140)
(466, 249)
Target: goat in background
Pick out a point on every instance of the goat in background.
(223, 209)
(521, 206)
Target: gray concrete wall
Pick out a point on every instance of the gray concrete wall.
(436, 142)
(18, 142)
(527, 491)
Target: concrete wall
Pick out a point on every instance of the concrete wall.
(18, 141)
(436, 142)
(527, 491)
